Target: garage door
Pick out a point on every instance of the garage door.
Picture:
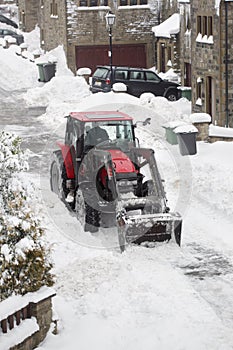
(123, 55)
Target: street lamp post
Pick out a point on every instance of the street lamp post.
(110, 20)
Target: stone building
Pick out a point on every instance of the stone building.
(206, 64)
(80, 26)
(167, 36)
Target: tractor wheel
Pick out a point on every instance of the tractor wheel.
(92, 219)
(58, 175)
(88, 216)
(80, 207)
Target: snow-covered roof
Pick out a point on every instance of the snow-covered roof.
(169, 27)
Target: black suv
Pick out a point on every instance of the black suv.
(137, 80)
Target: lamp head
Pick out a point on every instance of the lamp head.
(110, 19)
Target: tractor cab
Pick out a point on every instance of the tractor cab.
(86, 130)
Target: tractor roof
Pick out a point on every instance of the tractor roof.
(99, 116)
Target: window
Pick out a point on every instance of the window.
(199, 24)
(136, 75)
(83, 3)
(53, 8)
(92, 3)
(210, 26)
(187, 37)
(199, 91)
(132, 2)
(42, 36)
(152, 77)
(205, 25)
(188, 22)
(121, 74)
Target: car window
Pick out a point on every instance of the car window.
(8, 32)
(152, 77)
(136, 75)
(101, 73)
(121, 74)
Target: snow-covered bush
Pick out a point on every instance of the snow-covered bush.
(24, 263)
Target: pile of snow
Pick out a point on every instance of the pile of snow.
(18, 73)
(170, 75)
(63, 85)
(213, 181)
(220, 131)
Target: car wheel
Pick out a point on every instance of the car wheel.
(171, 96)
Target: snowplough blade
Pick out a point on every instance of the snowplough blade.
(149, 228)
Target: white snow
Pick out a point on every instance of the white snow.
(119, 87)
(200, 118)
(18, 334)
(145, 298)
(170, 75)
(169, 27)
(185, 129)
(83, 71)
(17, 302)
(220, 131)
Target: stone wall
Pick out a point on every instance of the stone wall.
(203, 131)
(39, 311)
(213, 139)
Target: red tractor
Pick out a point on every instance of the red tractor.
(103, 175)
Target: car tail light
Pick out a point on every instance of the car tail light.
(108, 81)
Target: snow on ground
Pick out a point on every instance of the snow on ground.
(143, 298)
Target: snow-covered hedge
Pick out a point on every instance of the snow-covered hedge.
(24, 263)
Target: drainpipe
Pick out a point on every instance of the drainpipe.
(226, 63)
